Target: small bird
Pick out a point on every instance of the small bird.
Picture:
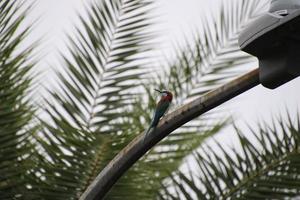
(161, 107)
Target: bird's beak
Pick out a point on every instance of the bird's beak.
(158, 90)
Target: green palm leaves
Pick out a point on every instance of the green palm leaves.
(96, 83)
(97, 90)
(266, 167)
(16, 113)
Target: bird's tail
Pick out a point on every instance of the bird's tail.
(149, 130)
(153, 124)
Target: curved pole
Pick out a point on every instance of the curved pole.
(139, 146)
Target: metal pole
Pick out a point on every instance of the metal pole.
(138, 147)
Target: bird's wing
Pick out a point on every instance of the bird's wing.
(161, 108)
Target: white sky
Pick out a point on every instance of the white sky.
(56, 18)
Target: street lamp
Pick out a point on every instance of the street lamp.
(274, 39)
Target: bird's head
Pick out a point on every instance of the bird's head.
(165, 95)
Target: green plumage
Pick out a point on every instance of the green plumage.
(160, 110)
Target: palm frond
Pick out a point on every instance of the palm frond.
(213, 56)
(16, 112)
(101, 72)
(95, 90)
(267, 167)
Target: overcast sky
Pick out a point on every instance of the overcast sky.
(56, 18)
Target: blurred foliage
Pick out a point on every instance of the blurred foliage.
(267, 167)
(17, 151)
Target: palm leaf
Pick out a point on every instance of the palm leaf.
(16, 112)
(95, 90)
(213, 57)
(266, 168)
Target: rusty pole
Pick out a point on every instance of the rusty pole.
(138, 147)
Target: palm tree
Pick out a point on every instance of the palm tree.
(103, 101)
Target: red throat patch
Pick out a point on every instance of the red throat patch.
(169, 97)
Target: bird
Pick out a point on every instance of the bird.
(161, 108)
